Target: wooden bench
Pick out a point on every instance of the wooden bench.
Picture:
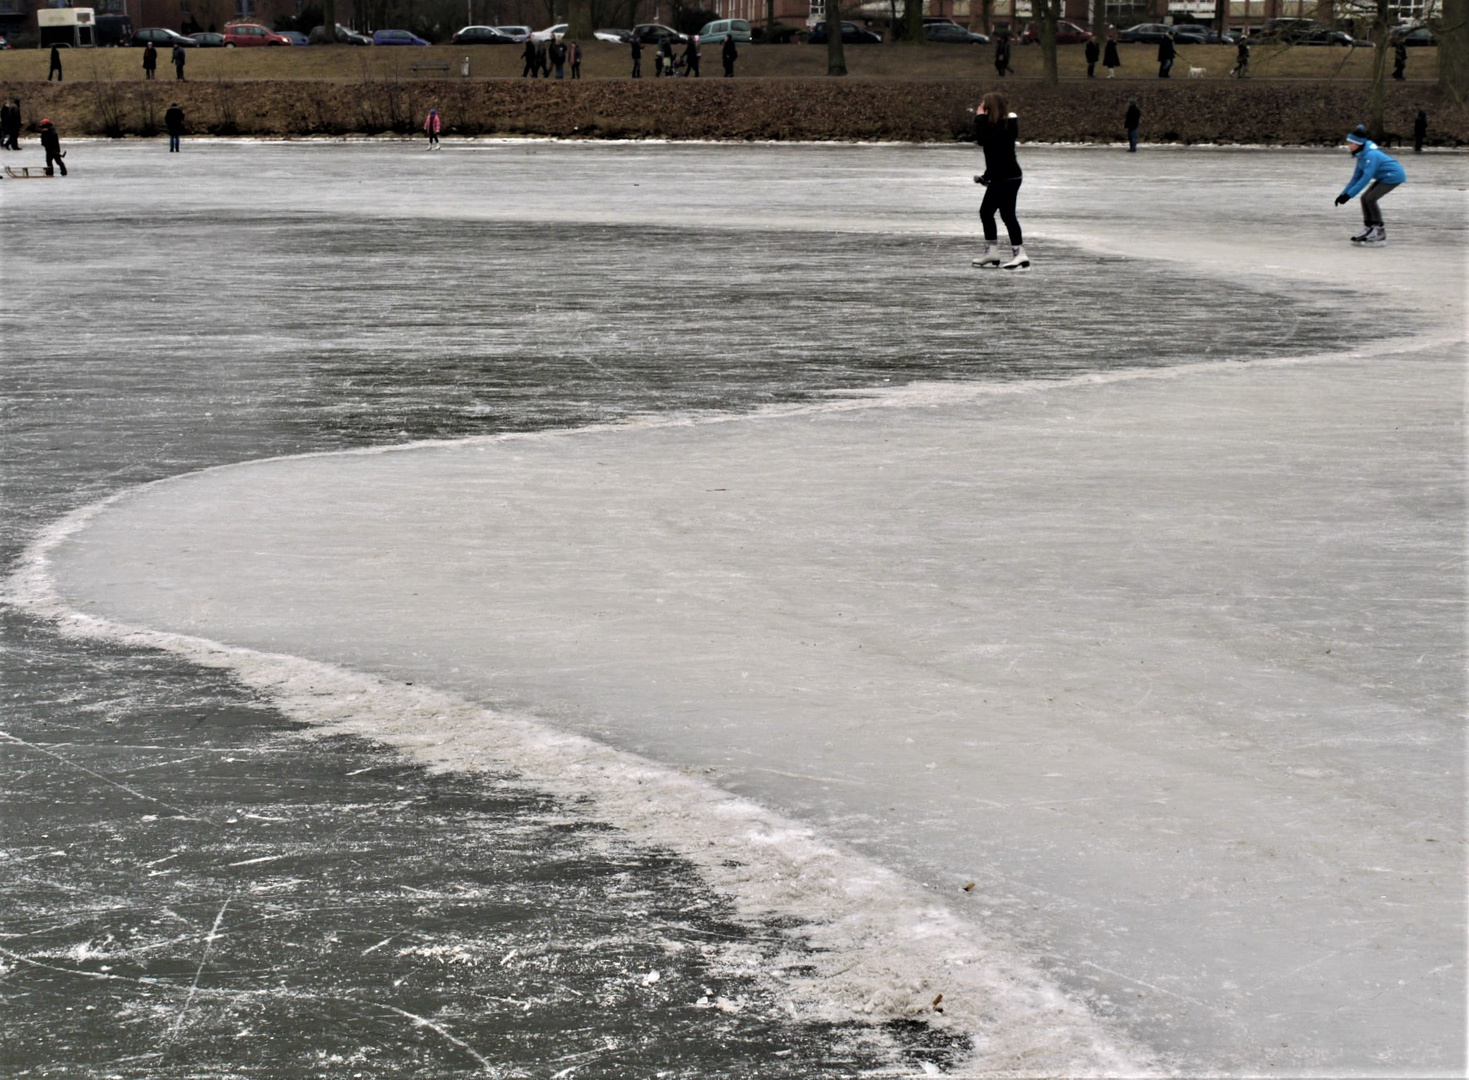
(441, 66)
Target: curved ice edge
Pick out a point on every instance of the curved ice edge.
(884, 948)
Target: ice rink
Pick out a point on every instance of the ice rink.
(1111, 688)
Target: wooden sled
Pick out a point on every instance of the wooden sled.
(27, 172)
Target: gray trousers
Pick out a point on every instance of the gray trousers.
(1371, 215)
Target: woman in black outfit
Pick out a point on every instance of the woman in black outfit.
(995, 130)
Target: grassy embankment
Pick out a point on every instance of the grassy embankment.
(1302, 95)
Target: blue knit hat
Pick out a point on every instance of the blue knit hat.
(1358, 134)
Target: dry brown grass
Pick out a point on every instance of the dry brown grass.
(606, 61)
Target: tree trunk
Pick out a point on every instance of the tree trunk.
(913, 22)
(836, 56)
(329, 20)
(769, 20)
(1099, 21)
(1453, 52)
(579, 20)
(1221, 18)
(1049, 11)
(1381, 48)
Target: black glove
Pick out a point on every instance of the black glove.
(984, 180)
(1343, 199)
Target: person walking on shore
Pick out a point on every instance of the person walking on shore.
(55, 68)
(433, 124)
(1093, 54)
(1420, 131)
(178, 63)
(51, 143)
(1131, 121)
(10, 125)
(543, 63)
(173, 122)
(996, 129)
(1166, 54)
(729, 54)
(573, 57)
(1002, 55)
(150, 60)
(1377, 174)
(1241, 68)
(665, 54)
(532, 65)
(1110, 60)
(637, 59)
(691, 56)
(1399, 60)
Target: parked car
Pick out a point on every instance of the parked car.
(481, 35)
(1066, 34)
(948, 33)
(111, 29)
(1229, 37)
(249, 35)
(206, 40)
(550, 33)
(518, 33)
(1190, 34)
(295, 37)
(614, 36)
(345, 36)
(653, 33)
(161, 38)
(1412, 35)
(4, 43)
(1287, 31)
(1328, 37)
(396, 37)
(1144, 33)
(928, 19)
(739, 29)
(852, 34)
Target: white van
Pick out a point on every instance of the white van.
(714, 33)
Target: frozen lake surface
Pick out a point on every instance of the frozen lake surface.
(1128, 592)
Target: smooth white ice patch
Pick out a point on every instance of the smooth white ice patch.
(1170, 667)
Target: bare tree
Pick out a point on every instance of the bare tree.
(1049, 11)
(1381, 22)
(579, 20)
(913, 22)
(1453, 52)
(836, 56)
(769, 20)
(329, 20)
(981, 14)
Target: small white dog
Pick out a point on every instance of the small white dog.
(1197, 73)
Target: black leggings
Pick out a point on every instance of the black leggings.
(1371, 215)
(1000, 195)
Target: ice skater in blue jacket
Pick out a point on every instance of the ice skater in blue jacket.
(1378, 173)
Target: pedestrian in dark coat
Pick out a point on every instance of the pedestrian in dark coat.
(55, 68)
(532, 65)
(178, 62)
(173, 120)
(1399, 60)
(1131, 121)
(637, 59)
(557, 53)
(665, 53)
(1166, 54)
(1093, 54)
(1241, 59)
(729, 54)
(543, 61)
(51, 143)
(1110, 60)
(9, 125)
(691, 56)
(1002, 55)
(150, 60)
(1420, 131)
(573, 56)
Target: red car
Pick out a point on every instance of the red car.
(247, 34)
(1066, 34)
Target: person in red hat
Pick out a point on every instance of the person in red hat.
(51, 143)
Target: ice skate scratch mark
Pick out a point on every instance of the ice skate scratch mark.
(423, 1021)
(1150, 986)
(194, 987)
(105, 779)
(263, 858)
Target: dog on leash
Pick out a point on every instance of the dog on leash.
(1197, 73)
